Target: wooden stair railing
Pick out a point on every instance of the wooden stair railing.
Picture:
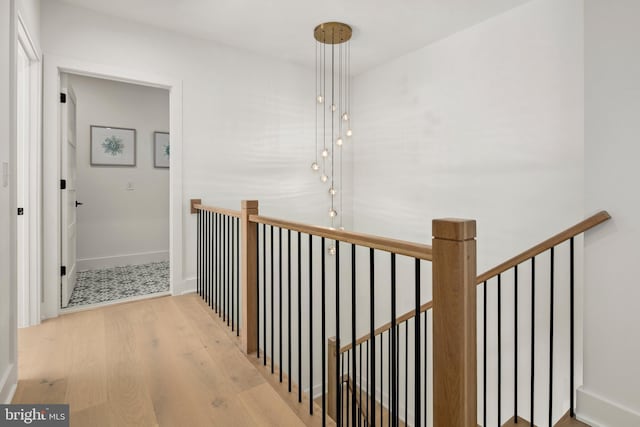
(594, 220)
(454, 282)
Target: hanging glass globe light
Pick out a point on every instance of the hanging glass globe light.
(345, 117)
(349, 132)
(320, 99)
(339, 141)
(331, 250)
(333, 107)
(325, 153)
(332, 191)
(333, 213)
(314, 166)
(324, 178)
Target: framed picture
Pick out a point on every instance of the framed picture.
(112, 146)
(161, 149)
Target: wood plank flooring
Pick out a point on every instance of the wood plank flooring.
(159, 362)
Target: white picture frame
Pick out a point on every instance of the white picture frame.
(112, 146)
(161, 150)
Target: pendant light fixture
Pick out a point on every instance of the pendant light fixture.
(333, 113)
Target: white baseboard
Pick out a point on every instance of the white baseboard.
(190, 286)
(8, 383)
(121, 260)
(598, 411)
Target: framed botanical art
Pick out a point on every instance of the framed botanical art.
(112, 146)
(161, 149)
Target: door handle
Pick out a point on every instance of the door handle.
(78, 203)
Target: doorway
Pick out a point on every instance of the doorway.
(28, 151)
(54, 67)
(114, 203)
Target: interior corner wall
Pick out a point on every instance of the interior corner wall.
(124, 219)
(610, 393)
(248, 123)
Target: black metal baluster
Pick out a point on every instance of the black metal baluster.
(257, 291)
(381, 379)
(515, 343)
(311, 325)
(198, 262)
(280, 366)
(353, 328)
(417, 347)
(533, 335)
(551, 303)
(394, 356)
(389, 380)
(571, 328)
(214, 283)
(289, 373)
(359, 382)
(228, 268)
(406, 371)
(210, 255)
(300, 318)
(349, 383)
(499, 350)
(232, 272)
(324, 335)
(372, 328)
(425, 368)
(338, 379)
(264, 295)
(368, 374)
(484, 357)
(218, 262)
(238, 278)
(225, 270)
(272, 307)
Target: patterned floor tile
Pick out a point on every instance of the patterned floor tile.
(98, 286)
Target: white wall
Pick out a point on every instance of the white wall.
(7, 330)
(29, 10)
(485, 124)
(610, 395)
(117, 225)
(248, 120)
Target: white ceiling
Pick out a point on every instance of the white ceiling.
(383, 29)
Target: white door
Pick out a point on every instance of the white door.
(68, 202)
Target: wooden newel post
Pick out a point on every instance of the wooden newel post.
(332, 371)
(454, 323)
(249, 259)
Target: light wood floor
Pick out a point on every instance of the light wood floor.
(165, 361)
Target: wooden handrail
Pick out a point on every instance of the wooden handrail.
(570, 232)
(384, 328)
(223, 211)
(400, 247)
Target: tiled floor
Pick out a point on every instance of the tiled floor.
(99, 286)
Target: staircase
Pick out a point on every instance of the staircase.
(309, 305)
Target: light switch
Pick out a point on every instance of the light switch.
(130, 186)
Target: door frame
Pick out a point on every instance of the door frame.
(29, 310)
(53, 67)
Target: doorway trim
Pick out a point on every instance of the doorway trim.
(31, 290)
(53, 67)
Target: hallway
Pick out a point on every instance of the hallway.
(164, 361)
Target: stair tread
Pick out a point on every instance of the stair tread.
(567, 421)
